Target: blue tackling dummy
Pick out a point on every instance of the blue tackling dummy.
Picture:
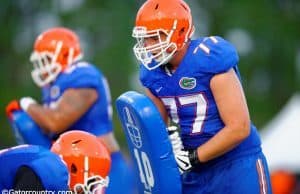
(149, 144)
(44, 163)
(26, 131)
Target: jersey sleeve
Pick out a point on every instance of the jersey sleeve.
(151, 79)
(215, 55)
(144, 75)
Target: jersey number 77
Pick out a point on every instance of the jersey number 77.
(197, 101)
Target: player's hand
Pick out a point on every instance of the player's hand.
(12, 107)
(25, 102)
(186, 159)
(175, 138)
(15, 105)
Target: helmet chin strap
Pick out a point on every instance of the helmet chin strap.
(166, 55)
(172, 48)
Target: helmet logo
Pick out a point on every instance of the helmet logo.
(187, 83)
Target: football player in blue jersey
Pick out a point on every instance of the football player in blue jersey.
(78, 161)
(196, 83)
(75, 95)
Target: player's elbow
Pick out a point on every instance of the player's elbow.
(54, 126)
(241, 129)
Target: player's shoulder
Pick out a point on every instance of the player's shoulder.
(212, 45)
(80, 71)
(213, 54)
(80, 75)
(144, 73)
(148, 77)
(82, 67)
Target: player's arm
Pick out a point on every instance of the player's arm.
(71, 106)
(232, 106)
(159, 105)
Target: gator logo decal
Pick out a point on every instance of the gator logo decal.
(187, 83)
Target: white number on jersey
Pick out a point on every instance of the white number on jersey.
(196, 100)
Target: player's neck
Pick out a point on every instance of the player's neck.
(178, 56)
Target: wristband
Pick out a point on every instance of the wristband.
(193, 156)
(25, 102)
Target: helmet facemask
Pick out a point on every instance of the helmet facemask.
(161, 52)
(84, 178)
(92, 185)
(46, 66)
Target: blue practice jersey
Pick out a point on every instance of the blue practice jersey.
(187, 95)
(48, 166)
(98, 119)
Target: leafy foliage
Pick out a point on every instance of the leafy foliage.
(270, 72)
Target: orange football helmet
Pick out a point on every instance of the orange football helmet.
(87, 159)
(54, 50)
(155, 17)
(283, 181)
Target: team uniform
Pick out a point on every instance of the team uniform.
(51, 171)
(189, 101)
(98, 119)
(57, 67)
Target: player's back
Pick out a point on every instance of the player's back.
(47, 166)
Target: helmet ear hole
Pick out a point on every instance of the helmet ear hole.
(85, 156)
(73, 168)
(181, 31)
(181, 36)
(65, 56)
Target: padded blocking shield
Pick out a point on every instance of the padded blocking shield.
(149, 146)
(26, 131)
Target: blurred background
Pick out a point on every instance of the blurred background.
(266, 34)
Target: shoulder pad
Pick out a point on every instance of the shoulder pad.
(215, 55)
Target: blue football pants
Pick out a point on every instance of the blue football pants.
(245, 175)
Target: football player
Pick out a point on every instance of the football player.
(75, 95)
(78, 161)
(196, 83)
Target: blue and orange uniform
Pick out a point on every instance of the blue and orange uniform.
(188, 99)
